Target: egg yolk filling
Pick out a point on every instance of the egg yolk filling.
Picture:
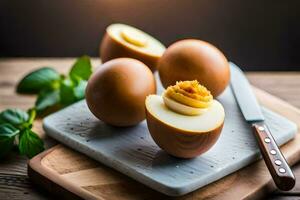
(134, 37)
(188, 97)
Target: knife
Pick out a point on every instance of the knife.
(275, 161)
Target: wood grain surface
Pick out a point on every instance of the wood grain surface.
(14, 183)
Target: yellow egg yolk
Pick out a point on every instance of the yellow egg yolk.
(134, 37)
(190, 97)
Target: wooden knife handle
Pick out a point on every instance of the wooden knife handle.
(275, 161)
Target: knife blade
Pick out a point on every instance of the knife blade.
(275, 161)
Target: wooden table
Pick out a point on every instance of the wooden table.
(14, 183)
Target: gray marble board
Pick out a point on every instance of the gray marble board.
(133, 152)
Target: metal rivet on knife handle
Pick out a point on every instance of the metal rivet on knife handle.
(278, 162)
(281, 170)
(273, 152)
(275, 161)
(267, 140)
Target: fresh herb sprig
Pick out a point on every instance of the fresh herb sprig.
(54, 91)
(15, 130)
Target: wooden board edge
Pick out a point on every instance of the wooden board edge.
(50, 180)
(40, 175)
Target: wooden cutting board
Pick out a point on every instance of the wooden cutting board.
(133, 152)
(70, 174)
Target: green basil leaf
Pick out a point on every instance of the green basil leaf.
(30, 144)
(81, 69)
(15, 117)
(79, 90)
(66, 92)
(7, 137)
(8, 130)
(37, 80)
(46, 99)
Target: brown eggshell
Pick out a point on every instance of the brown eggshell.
(180, 143)
(195, 60)
(116, 92)
(110, 48)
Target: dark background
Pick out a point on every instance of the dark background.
(257, 34)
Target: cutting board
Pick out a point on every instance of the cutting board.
(70, 174)
(132, 151)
